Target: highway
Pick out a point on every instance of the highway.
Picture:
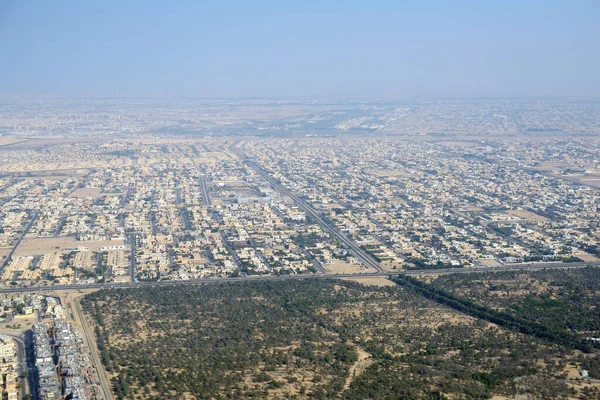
(27, 228)
(205, 193)
(104, 382)
(234, 255)
(359, 253)
(506, 267)
(132, 248)
(127, 193)
(513, 267)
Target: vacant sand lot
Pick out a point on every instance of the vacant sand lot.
(43, 142)
(21, 170)
(18, 323)
(93, 192)
(8, 140)
(592, 180)
(39, 246)
(489, 262)
(392, 266)
(586, 257)
(342, 267)
(528, 215)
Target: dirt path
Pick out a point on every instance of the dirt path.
(364, 360)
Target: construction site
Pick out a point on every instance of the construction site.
(8, 368)
(62, 369)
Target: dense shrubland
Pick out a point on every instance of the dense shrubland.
(304, 339)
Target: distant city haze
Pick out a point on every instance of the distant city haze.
(382, 49)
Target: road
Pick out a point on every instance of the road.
(359, 253)
(231, 251)
(512, 267)
(184, 219)
(60, 225)
(27, 228)
(506, 267)
(205, 193)
(318, 265)
(104, 382)
(126, 196)
(379, 225)
(132, 246)
(25, 386)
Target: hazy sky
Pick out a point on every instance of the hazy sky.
(303, 47)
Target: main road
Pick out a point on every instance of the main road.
(25, 231)
(100, 372)
(132, 259)
(25, 384)
(358, 252)
(513, 267)
(205, 192)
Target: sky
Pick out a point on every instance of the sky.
(325, 48)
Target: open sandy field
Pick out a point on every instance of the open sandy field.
(552, 166)
(19, 322)
(93, 192)
(39, 246)
(55, 168)
(586, 257)
(528, 215)
(3, 252)
(392, 266)
(8, 140)
(341, 267)
(41, 171)
(473, 208)
(490, 263)
(591, 180)
(41, 142)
